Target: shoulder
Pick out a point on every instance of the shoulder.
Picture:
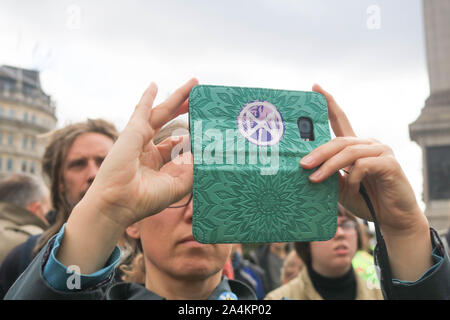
(241, 290)
(294, 289)
(19, 257)
(368, 289)
(10, 231)
(130, 291)
(29, 230)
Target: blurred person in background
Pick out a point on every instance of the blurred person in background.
(292, 265)
(247, 272)
(168, 260)
(363, 261)
(445, 235)
(142, 191)
(71, 161)
(328, 272)
(24, 203)
(270, 258)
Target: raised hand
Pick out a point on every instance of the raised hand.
(373, 164)
(369, 162)
(130, 185)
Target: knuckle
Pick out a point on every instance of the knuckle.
(352, 148)
(341, 140)
(374, 141)
(391, 161)
(388, 149)
(360, 164)
(136, 107)
(384, 147)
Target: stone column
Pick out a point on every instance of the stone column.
(432, 129)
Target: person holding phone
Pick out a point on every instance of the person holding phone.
(138, 180)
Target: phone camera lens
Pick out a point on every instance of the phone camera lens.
(305, 127)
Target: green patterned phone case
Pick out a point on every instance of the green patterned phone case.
(248, 185)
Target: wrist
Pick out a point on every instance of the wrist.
(415, 224)
(92, 214)
(409, 250)
(89, 239)
(111, 216)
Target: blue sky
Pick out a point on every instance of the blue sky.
(97, 57)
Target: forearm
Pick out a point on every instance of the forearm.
(410, 252)
(89, 239)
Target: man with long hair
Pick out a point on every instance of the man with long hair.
(141, 191)
(71, 161)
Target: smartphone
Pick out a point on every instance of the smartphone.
(248, 185)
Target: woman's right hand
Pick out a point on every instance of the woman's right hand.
(129, 185)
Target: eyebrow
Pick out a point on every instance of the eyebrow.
(76, 161)
(80, 160)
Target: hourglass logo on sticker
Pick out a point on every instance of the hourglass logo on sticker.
(261, 123)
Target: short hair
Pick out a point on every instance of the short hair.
(21, 189)
(303, 249)
(52, 166)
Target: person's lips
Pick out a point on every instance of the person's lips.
(341, 249)
(188, 238)
(190, 241)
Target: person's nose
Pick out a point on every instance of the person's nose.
(189, 211)
(339, 232)
(92, 170)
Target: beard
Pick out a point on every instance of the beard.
(72, 202)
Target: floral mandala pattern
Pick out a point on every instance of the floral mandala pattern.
(234, 203)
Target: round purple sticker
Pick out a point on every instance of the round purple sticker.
(261, 123)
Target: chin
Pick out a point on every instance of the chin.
(344, 265)
(197, 272)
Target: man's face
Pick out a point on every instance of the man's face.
(169, 247)
(333, 258)
(82, 163)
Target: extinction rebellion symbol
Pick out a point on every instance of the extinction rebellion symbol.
(261, 123)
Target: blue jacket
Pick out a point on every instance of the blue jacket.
(34, 283)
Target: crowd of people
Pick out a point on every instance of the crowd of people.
(119, 210)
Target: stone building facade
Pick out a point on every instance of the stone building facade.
(26, 112)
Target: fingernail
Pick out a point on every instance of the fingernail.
(306, 160)
(316, 175)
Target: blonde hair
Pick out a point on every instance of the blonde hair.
(133, 265)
